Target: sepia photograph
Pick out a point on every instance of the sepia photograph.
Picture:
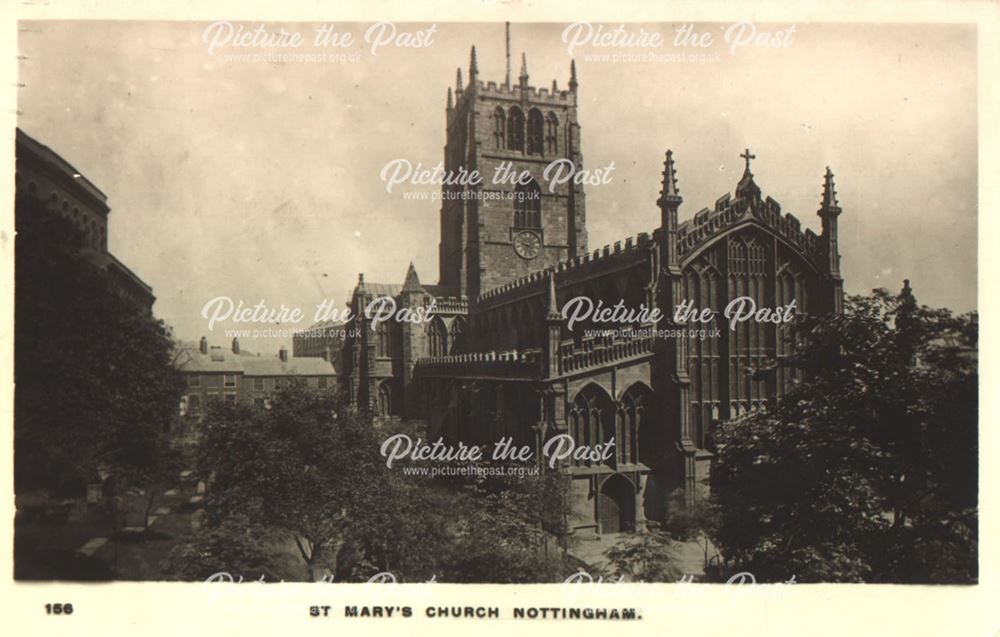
(496, 302)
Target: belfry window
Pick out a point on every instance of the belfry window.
(515, 129)
(552, 134)
(500, 128)
(535, 130)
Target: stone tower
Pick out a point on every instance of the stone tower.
(505, 228)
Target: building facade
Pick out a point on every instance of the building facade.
(47, 181)
(240, 377)
(498, 357)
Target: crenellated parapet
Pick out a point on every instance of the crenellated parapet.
(728, 212)
(533, 93)
(598, 262)
(451, 305)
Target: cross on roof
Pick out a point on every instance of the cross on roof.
(747, 156)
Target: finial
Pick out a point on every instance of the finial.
(507, 49)
(572, 75)
(669, 194)
(829, 192)
(524, 68)
(458, 80)
(361, 279)
(747, 156)
(473, 66)
(555, 87)
(451, 103)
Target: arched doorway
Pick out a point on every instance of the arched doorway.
(616, 505)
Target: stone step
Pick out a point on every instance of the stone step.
(92, 546)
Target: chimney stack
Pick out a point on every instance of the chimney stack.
(236, 345)
(203, 345)
(283, 354)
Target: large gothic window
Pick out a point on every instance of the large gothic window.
(635, 405)
(437, 338)
(592, 419)
(499, 128)
(528, 205)
(535, 131)
(552, 134)
(515, 129)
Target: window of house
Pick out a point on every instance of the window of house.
(322, 382)
(258, 384)
(260, 403)
(229, 380)
(194, 404)
(230, 398)
(194, 380)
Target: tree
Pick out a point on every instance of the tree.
(866, 470)
(309, 468)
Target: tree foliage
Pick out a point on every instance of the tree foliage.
(94, 384)
(867, 469)
(309, 467)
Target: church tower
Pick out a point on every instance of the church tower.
(515, 222)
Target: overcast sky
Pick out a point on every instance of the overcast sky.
(260, 181)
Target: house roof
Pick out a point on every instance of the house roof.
(221, 360)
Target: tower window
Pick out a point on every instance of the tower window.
(535, 127)
(552, 134)
(500, 128)
(528, 205)
(515, 129)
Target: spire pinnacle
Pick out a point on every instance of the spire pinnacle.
(451, 102)
(555, 87)
(507, 34)
(473, 66)
(524, 68)
(572, 75)
(458, 80)
(669, 194)
(552, 304)
(412, 281)
(829, 192)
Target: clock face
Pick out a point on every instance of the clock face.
(527, 244)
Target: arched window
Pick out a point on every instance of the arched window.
(535, 131)
(385, 405)
(515, 129)
(634, 413)
(528, 205)
(552, 134)
(499, 128)
(592, 419)
(383, 344)
(437, 338)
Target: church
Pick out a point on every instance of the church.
(499, 359)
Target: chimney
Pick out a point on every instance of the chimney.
(203, 345)
(283, 354)
(236, 345)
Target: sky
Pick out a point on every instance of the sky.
(260, 180)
